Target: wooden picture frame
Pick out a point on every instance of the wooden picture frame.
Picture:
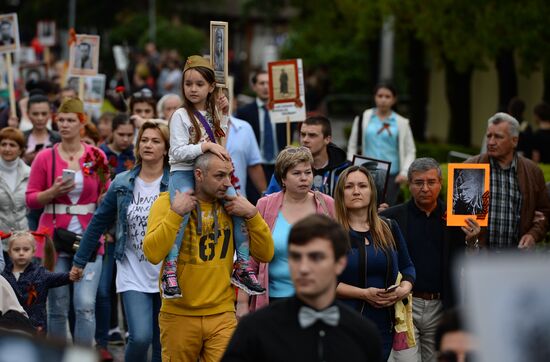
(286, 88)
(94, 89)
(380, 171)
(219, 49)
(468, 191)
(46, 32)
(35, 71)
(84, 55)
(9, 33)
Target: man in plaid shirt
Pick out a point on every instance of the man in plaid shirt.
(517, 189)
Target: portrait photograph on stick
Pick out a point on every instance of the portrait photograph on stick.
(46, 32)
(467, 193)
(84, 55)
(9, 33)
(287, 102)
(380, 171)
(94, 89)
(283, 81)
(219, 31)
(33, 72)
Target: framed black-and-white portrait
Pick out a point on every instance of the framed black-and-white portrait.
(94, 89)
(219, 59)
(380, 171)
(9, 33)
(46, 32)
(467, 193)
(33, 72)
(84, 55)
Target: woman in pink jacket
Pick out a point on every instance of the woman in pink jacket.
(281, 210)
(69, 203)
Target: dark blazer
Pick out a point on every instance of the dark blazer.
(273, 334)
(250, 114)
(453, 245)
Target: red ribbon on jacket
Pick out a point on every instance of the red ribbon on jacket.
(385, 126)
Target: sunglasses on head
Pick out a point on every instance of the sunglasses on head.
(296, 149)
(451, 356)
(144, 93)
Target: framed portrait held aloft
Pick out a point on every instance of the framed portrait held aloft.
(46, 32)
(84, 55)
(34, 72)
(219, 35)
(468, 193)
(287, 101)
(9, 33)
(379, 170)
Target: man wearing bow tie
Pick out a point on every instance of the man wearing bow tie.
(311, 326)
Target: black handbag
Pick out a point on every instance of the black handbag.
(63, 239)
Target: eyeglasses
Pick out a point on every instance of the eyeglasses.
(420, 184)
(296, 149)
(144, 93)
(451, 356)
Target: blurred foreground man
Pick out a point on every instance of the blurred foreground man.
(310, 326)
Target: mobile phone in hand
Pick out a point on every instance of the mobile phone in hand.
(391, 288)
(38, 147)
(68, 175)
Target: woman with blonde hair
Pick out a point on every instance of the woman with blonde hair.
(378, 253)
(281, 210)
(128, 201)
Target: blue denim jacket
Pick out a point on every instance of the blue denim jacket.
(113, 207)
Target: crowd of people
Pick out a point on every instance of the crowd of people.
(167, 205)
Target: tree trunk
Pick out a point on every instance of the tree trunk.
(457, 89)
(418, 88)
(373, 47)
(507, 79)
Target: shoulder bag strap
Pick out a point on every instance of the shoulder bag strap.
(53, 181)
(359, 150)
(321, 201)
(206, 126)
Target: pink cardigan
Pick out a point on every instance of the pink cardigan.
(269, 207)
(40, 179)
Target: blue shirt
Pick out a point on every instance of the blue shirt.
(381, 140)
(280, 283)
(243, 149)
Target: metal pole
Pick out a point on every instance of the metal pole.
(72, 13)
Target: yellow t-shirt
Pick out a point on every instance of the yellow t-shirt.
(204, 264)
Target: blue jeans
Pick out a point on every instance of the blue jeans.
(84, 296)
(103, 301)
(142, 312)
(184, 181)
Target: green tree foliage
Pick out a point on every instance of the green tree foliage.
(186, 39)
(335, 34)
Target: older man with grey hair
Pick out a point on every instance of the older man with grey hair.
(517, 189)
(433, 246)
